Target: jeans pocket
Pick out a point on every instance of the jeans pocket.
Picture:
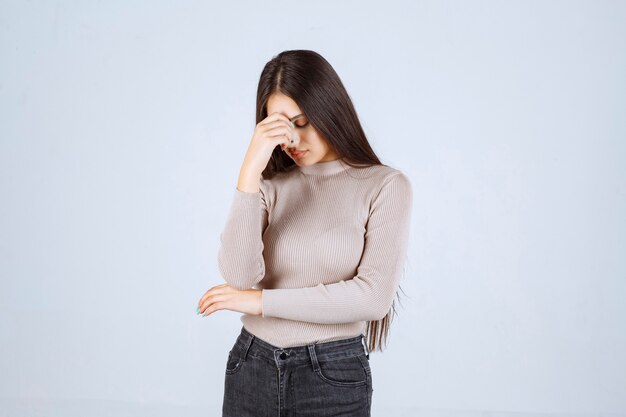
(343, 372)
(233, 364)
(366, 363)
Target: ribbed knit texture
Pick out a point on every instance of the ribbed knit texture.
(326, 243)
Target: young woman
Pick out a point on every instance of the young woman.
(312, 251)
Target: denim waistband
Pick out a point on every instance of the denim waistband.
(249, 344)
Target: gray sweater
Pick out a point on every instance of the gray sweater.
(326, 243)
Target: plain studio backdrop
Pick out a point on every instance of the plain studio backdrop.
(123, 126)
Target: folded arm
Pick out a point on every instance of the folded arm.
(368, 295)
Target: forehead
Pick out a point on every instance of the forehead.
(283, 104)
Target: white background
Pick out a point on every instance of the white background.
(123, 125)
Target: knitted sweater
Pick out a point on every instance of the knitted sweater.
(326, 243)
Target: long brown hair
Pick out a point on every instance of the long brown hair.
(309, 80)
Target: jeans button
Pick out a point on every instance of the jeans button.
(283, 355)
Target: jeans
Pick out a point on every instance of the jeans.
(324, 379)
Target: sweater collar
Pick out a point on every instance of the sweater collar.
(324, 168)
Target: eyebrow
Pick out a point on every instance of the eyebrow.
(296, 116)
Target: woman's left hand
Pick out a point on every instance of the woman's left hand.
(225, 297)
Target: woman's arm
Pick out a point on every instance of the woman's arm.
(240, 255)
(367, 296)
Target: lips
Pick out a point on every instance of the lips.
(297, 154)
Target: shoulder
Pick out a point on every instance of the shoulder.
(270, 187)
(276, 181)
(386, 177)
(391, 188)
(375, 173)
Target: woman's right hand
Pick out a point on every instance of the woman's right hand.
(270, 132)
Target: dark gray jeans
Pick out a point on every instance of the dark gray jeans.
(319, 379)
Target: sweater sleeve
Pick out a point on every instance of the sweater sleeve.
(368, 296)
(240, 255)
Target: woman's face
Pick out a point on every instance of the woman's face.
(315, 148)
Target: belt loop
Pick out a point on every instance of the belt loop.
(367, 350)
(247, 346)
(314, 362)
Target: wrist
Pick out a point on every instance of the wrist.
(249, 182)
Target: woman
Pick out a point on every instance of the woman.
(312, 250)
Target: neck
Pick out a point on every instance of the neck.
(324, 168)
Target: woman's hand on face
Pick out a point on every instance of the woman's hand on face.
(274, 130)
(225, 297)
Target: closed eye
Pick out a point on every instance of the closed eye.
(299, 120)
